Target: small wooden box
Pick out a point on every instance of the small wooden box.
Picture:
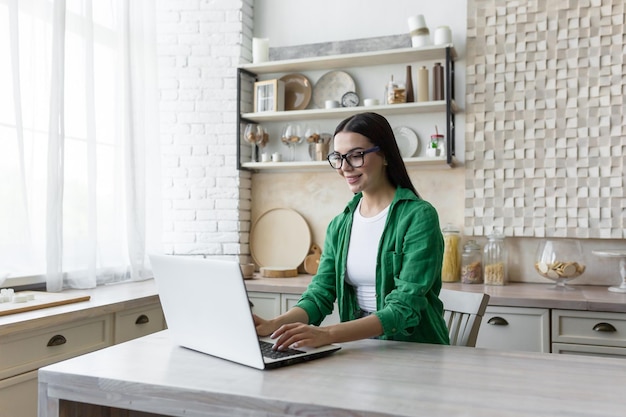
(269, 95)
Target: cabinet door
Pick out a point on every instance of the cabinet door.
(138, 322)
(265, 304)
(514, 328)
(18, 395)
(289, 300)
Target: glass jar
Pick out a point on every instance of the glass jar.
(451, 267)
(472, 263)
(495, 260)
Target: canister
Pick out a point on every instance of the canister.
(451, 267)
(472, 263)
(495, 260)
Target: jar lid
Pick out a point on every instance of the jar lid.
(495, 235)
(450, 228)
(471, 245)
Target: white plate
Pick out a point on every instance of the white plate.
(280, 238)
(332, 86)
(407, 140)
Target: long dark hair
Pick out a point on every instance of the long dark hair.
(377, 129)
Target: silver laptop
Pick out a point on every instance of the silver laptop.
(207, 309)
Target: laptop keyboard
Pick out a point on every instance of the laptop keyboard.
(266, 350)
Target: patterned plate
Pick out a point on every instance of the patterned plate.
(332, 86)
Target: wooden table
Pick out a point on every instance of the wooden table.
(365, 378)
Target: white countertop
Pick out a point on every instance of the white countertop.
(103, 299)
(583, 297)
(113, 298)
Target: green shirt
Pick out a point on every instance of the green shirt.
(408, 272)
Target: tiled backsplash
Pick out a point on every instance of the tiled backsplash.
(545, 125)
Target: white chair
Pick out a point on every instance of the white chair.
(463, 312)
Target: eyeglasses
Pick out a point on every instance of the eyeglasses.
(355, 159)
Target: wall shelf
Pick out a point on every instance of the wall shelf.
(361, 59)
(250, 73)
(342, 112)
(322, 166)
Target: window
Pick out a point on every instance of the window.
(71, 188)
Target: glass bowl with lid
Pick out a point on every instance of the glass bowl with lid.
(560, 260)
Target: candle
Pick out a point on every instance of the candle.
(260, 50)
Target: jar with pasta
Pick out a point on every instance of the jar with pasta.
(495, 260)
(472, 263)
(451, 267)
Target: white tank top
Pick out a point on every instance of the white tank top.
(362, 254)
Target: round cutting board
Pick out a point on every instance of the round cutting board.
(280, 238)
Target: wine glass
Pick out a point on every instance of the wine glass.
(252, 136)
(263, 138)
(291, 136)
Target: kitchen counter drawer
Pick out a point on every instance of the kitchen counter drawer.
(589, 328)
(589, 350)
(138, 322)
(27, 351)
(515, 328)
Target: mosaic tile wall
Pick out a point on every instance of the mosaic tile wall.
(545, 118)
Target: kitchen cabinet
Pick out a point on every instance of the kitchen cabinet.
(356, 62)
(137, 322)
(268, 305)
(589, 333)
(27, 351)
(18, 395)
(515, 328)
(51, 335)
(265, 304)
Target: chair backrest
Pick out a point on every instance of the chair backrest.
(463, 312)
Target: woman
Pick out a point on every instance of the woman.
(382, 256)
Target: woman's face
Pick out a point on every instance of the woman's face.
(368, 177)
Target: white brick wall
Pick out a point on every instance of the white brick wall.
(206, 204)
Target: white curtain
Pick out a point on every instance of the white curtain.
(79, 183)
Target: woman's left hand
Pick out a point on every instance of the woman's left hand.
(295, 335)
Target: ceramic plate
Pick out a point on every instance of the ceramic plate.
(298, 91)
(280, 238)
(332, 86)
(407, 139)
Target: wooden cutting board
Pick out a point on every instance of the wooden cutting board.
(41, 300)
(278, 272)
(312, 261)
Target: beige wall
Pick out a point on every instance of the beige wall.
(318, 197)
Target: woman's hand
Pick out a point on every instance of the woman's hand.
(297, 335)
(264, 327)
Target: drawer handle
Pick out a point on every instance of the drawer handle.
(143, 319)
(57, 340)
(497, 321)
(604, 327)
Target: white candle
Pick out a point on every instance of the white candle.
(260, 50)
